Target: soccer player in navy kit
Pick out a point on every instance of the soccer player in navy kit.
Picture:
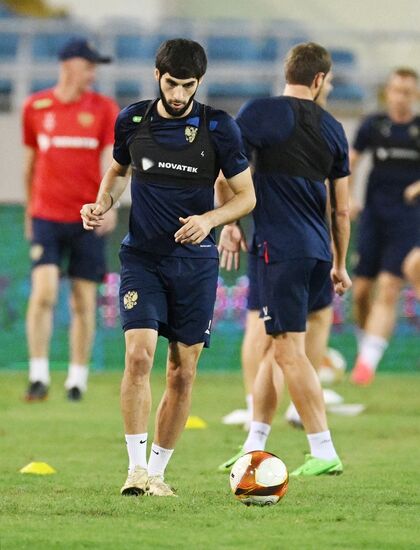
(297, 146)
(169, 261)
(255, 340)
(390, 221)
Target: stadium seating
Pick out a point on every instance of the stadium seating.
(45, 46)
(8, 45)
(131, 47)
(234, 56)
(242, 49)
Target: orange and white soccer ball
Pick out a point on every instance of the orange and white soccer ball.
(259, 478)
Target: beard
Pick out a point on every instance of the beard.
(171, 110)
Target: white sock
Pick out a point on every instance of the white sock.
(77, 377)
(257, 437)
(321, 445)
(136, 449)
(250, 404)
(372, 350)
(158, 460)
(39, 370)
(360, 335)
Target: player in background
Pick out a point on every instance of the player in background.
(293, 160)
(169, 259)
(255, 340)
(67, 133)
(390, 221)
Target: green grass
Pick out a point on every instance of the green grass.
(374, 505)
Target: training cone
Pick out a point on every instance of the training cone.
(38, 468)
(195, 423)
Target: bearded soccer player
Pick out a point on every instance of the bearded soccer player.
(67, 132)
(390, 221)
(292, 161)
(169, 261)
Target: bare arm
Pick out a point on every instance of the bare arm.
(29, 158)
(112, 186)
(196, 228)
(340, 229)
(110, 218)
(232, 239)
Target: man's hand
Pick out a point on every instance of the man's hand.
(93, 213)
(341, 280)
(194, 229)
(412, 192)
(109, 223)
(231, 241)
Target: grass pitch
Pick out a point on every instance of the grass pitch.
(375, 504)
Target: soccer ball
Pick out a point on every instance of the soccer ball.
(333, 367)
(259, 478)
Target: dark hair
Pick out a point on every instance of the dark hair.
(181, 58)
(304, 62)
(405, 72)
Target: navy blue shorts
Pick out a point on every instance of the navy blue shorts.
(174, 296)
(77, 252)
(382, 246)
(292, 289)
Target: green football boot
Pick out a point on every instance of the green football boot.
(318, 466)
(226, 466)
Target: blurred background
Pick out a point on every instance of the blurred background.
(246, 43)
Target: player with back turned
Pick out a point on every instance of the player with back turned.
(292, 161)
(169, 261)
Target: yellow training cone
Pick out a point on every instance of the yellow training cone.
(39, 468)
(195, 423)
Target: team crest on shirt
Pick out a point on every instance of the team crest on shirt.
(85, 119)
(190, 133)
(36, 252)
(49, 122)
(42, 103)
(130, 299)
(413, 131)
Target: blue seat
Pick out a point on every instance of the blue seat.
(41, 84)
(240, 89)
(343, 57)
(6, 12)
(134, 46)
(235, 48)
(8, 45)
(5, 86)
(45, 47)
(346, 91)
(127, 88)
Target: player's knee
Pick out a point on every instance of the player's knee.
(82, 310)
(180, 378)
(43, 300)
(361, 293)
(388, 292)
(290, 357)
(138, 360)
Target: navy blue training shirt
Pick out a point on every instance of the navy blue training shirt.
(157, 206)
(290, 215)
(396, 164)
